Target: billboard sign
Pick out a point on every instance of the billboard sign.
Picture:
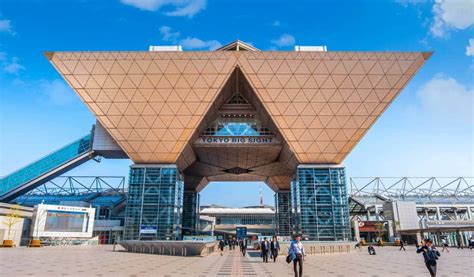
(372, 226)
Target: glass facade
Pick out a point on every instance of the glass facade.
(237, 126)
(283, 213)
(244, 218)
(320, 203)
(45, 164)
(154, 203)
(190, 212)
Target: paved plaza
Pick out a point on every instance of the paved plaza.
(102, 261)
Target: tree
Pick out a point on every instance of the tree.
(12, 218)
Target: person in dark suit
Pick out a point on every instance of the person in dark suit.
(430, 254)
(265, 248)
(402, 245)
(221, 245)
(275, 248)
(243, 246)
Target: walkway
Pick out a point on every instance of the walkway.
(102, 261)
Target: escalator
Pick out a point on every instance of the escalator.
(46, 168)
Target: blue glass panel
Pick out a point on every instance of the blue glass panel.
(320, 204)
(45, 164)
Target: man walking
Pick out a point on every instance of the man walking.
(402, 245)
(445, 245)
(430, 254)
(275, 248)
(243, 246)
(221, 245)
(296, 250)
(265, 248)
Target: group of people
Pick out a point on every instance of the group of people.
(232, 243)
(269, 249)
(296, 252)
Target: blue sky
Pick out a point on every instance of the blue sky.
(427, 131)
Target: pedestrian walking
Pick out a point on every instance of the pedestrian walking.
(357, 245)
(471, 243)
(402, 245)
(460, 243)
(274, 248)
(221, 245)
(430, 255)
(265, 249)
(243, 246)
(297, 253)
(445, 245)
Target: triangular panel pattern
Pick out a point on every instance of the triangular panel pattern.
(150, 102)
(324, 102)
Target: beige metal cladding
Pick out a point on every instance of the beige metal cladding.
(322, 102)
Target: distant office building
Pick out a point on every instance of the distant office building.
(258, 220)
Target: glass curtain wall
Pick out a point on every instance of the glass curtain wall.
(190, 212)
(320, 203)
(154, 203)
(283, 213)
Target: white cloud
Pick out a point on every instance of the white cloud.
(181, 7)
(13, 67)
(168, 34)
(470, 48)
(189, 9)
(451, 14)
(284, 40)
(196, 43)
(6, 26)
(56, 92)
(447, 98)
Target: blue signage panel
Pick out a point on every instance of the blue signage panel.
(148, 229)
(241, 232)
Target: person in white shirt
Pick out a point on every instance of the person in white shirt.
(445, 245)
(297, 253)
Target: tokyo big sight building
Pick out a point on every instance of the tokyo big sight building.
(286, 118)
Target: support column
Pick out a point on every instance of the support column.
(321, 203)
(283, 213)
(190, 212)
(154, 203)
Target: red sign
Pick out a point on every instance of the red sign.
(372, 226)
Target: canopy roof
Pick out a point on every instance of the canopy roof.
(320, 103)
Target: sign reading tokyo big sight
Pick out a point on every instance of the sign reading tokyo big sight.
(286, 118)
